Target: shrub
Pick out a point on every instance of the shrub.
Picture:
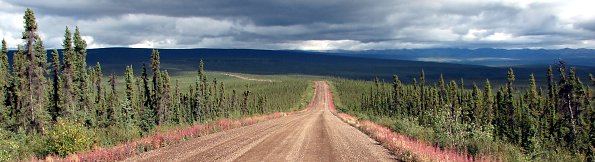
(68, 137)
(8, 146)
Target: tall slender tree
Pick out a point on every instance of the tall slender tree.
(147, 110)
(5, 110)
(113, 113)
(511, 111)
(4, 73)
(129, 109)
(68, 75)
(35, 70)
(81, 76)
(56, 107)
(476, 111)
(157, 87)
(165, 99)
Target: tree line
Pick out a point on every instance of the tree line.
(538, 120)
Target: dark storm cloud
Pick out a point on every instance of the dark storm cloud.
(261, 12)
(314, 24)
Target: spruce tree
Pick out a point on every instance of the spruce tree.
(147, 111)
(100, 108)
(488, 103)
(397, 96)
(129, 79)
(5, 110)
(244, 106)
(166, 98)
(81, 77)
(533, 97)
(442, 92)
(550, 111)
(128, 106)
(221, 101)
(56, 107)
(18, 90)
(529, 114)
(157, 101)
(422, 98)
(455, 108)
(35, 78)
(568, 104)
(113, 113)
(476, 111)
(4, 73)
(68, 73)
(178, 112)
(511, 112)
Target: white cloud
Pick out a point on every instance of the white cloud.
(10, 28)
(499, 37)
(321, 45)
(350, 25)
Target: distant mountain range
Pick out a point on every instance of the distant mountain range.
(484, 56)
(452, 63)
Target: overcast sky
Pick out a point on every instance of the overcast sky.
(309, 24)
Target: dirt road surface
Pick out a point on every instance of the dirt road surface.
(312, 135)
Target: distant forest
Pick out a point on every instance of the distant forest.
(552, 124)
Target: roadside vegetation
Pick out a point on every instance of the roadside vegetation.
(64, 106)
(553, 122)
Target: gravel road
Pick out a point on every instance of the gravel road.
(312, 135)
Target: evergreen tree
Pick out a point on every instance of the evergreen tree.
(455, 109)
(550, 111)
(17, 90)
(128, 108)
(5, 110)
(166, 98)
(567, 104)
(533, 97)
(178, 112)
(489, 102)
(101, 109)
(4, 73)
(201, 96)
(397, 96)
(422, 97)
(113, 115)
(244, 106)
(442, 92)
(82, 77)
(35, 79)
(529, 114)
(477, 110)
(56, 107)
(512, 112)
(158, 94)
(147, 121)
(220, 101)
(501, 114)
(129, 79)
(68, 73)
